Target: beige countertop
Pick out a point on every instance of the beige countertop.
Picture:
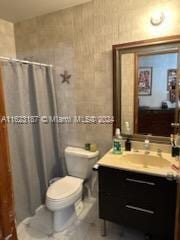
(121, 161)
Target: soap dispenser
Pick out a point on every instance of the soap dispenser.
(128, 141)
(117, 142)
(128, 145)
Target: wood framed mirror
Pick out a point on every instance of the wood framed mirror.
(146, 77)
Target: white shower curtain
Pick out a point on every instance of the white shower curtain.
(29, 91)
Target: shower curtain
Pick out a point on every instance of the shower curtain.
(34, 148)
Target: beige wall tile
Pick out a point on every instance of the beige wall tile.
(7, 40)
(80, 40)
(127, 96)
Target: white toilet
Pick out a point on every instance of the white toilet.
(62, 195)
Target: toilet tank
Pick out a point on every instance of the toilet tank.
(79, 162)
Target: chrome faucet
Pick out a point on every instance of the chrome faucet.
(159, 152)
(147, 145)
(177, 144)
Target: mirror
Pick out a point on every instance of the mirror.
(146, 87)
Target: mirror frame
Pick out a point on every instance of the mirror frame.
(133, 47)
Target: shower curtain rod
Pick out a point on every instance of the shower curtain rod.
(25, 61)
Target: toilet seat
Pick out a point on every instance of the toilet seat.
(63, 192)
(63, 188)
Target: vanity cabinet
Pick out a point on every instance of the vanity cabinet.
(142, 201)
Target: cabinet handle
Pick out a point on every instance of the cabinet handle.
(140, 181)
(139, 209)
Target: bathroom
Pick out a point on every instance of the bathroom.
(73, 40)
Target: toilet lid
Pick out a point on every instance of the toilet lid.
(64, 188)
(80, 152)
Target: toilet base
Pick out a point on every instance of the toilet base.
(64, 218)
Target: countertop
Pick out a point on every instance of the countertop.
(117, 161)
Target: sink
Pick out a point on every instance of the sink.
(146, 161)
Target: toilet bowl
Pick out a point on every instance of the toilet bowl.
(60, 198)
(62, 195)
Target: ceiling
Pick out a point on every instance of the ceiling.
(19, 10)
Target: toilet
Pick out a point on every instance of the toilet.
(63, 194)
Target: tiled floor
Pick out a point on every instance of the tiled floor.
(86, 227)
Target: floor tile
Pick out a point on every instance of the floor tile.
(94, 233)
(42, 221)
(86, 227)
(77, 231)
(27, 233)
(89, 213)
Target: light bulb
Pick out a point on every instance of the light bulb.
(157, 18)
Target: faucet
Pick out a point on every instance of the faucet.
(159, 152)
(147, 145)
(177, 144)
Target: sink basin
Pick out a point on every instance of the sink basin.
(146, 161)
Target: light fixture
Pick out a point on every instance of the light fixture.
(157, 18)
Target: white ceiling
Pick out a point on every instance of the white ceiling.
(18, 10)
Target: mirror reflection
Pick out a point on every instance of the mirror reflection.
(156, 93)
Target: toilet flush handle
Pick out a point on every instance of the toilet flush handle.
(96, 167)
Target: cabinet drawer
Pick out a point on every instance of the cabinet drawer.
(155, 193)
(154, 221)
(117, 210)
(147, 220)
(136, 186)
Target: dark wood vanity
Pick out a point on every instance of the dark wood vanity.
(138, 200)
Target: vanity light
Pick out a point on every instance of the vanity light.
(157, 18)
